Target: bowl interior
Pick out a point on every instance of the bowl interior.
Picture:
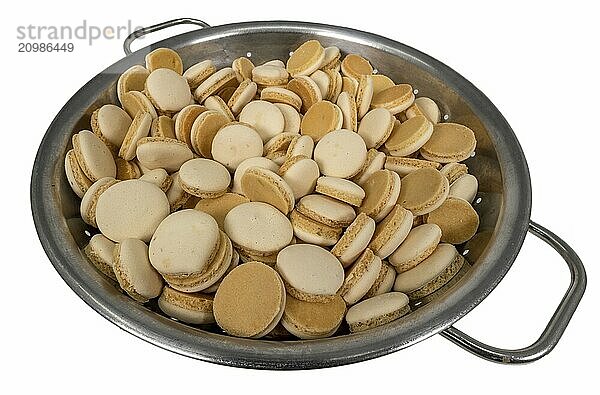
(64, 234)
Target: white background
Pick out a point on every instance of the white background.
(537, 63)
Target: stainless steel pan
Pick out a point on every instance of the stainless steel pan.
(503, 203)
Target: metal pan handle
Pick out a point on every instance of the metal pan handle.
(557, 324)
(159, 26)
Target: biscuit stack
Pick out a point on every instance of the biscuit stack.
(275, 199)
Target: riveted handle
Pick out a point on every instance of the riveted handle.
(159, 26)
(557, 324)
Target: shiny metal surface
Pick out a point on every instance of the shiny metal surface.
(557, 324)
(500, 166)
(159, 26)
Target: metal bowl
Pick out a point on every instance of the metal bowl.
(503, 204)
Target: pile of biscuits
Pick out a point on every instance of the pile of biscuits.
(277, 199)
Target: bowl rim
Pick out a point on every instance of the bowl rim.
(426, 321)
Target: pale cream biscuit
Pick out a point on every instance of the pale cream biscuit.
(218, 104)
(216, 81)
(213, 272)
(431, 274)
(184, 245)
(301, 146)
(364, 95)
(191, 308)
(404, 166)
(408, 137)
(384, 283)
(355, 239)
(301, 175)
(326, 210)
(162, 153)
(163, 126)
(258, 228)
(199, 72)
(453, 171)
(140, 127)
(314, 232)
(158, 177)
(133, 270)
(93, 156)
(168, 90)
(391, 232)
(427, 107)
(243, 68)
(347, 105)
(99, 251)
(340, 153)
(243, 94)
(341, 189)
(234, 143)
(127, 170)
(377, 311)
(310, 273)
(331, 60)
(418, 245)
(291, 118)
(235, 261)
(335, 85)
(75, 176)
(264, 117)
(376, 127)
(277, 94)
(131, 209)
(204, 178)
(176, 196)
(134, 102)
(465, 188)
(110, 123)
(270, 75)
(323, 81)
(87, 208)
(375, 161)
(360, 277)
(279, 143)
